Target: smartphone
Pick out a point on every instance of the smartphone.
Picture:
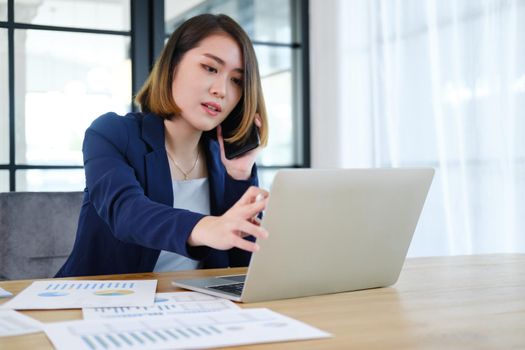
(236, 149)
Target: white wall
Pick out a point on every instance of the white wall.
(340, 123)
(324, 81)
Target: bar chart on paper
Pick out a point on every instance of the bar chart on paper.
(227, 328)
(165, 304)
(70, 294)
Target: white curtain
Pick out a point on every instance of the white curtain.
(437, 83)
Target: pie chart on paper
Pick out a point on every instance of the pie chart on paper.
(52, 294)
(113, 292)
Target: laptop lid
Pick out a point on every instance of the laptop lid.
(334, 230)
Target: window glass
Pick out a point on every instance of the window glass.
(275, 68)
(4, 99)
(4, 181)
(50, 180)
(263, 20)
(64, 81)
(278, 93)
(273, 59)
(3, 10)
(272, 21)
(93, 14)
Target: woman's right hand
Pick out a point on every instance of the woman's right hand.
(227, 231)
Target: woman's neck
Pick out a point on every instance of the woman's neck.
(182, 140)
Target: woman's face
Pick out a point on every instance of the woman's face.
(207, 82)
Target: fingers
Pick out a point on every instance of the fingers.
(250, 195)
(225, 232)
(258, 121)
(219, 132)
(248, 211)
(250, 229)
(221, 141)
(255, 220)
(243, 244)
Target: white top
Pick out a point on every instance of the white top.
(193, 195)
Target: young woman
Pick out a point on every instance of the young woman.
(160, 194)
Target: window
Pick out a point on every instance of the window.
(50, 180)
(273, 27)
(64, 85)
(89, 14)
(3, 10)
(69, 62)
(4, 180)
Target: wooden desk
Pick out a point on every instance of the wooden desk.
(462, 302)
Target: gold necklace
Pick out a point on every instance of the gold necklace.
(185, 173)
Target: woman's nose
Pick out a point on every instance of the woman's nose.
(218, 88)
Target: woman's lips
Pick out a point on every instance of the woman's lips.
(211, 112)
(211, 108)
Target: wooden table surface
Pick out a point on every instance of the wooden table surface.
(460, 302)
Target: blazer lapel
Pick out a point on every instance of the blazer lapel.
(158, 177)
(215, 176)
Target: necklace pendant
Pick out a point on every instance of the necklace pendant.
(185, 173)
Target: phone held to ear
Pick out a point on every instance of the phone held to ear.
(234, 150)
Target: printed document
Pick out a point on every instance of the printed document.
(76, 294)
(4, 293)
(165, 304)
(185, 331)
(15, 323)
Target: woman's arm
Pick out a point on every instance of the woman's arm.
(119, 198)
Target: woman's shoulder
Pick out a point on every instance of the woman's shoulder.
(114, 122)
(115, 128)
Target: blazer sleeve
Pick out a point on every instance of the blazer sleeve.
(119, 198)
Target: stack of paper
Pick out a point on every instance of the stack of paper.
(188, 331)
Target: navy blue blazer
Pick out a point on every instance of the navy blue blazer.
(127, 214)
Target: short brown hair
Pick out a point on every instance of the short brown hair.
(155, 96)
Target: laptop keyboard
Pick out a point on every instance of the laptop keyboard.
(234, 288)
(233, 278)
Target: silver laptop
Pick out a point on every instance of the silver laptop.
(330, 231)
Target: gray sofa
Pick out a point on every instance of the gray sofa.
(37, 231)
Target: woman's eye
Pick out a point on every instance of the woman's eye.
(209, 68)
(237, 81)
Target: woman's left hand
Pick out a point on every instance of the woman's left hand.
(240, 168)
